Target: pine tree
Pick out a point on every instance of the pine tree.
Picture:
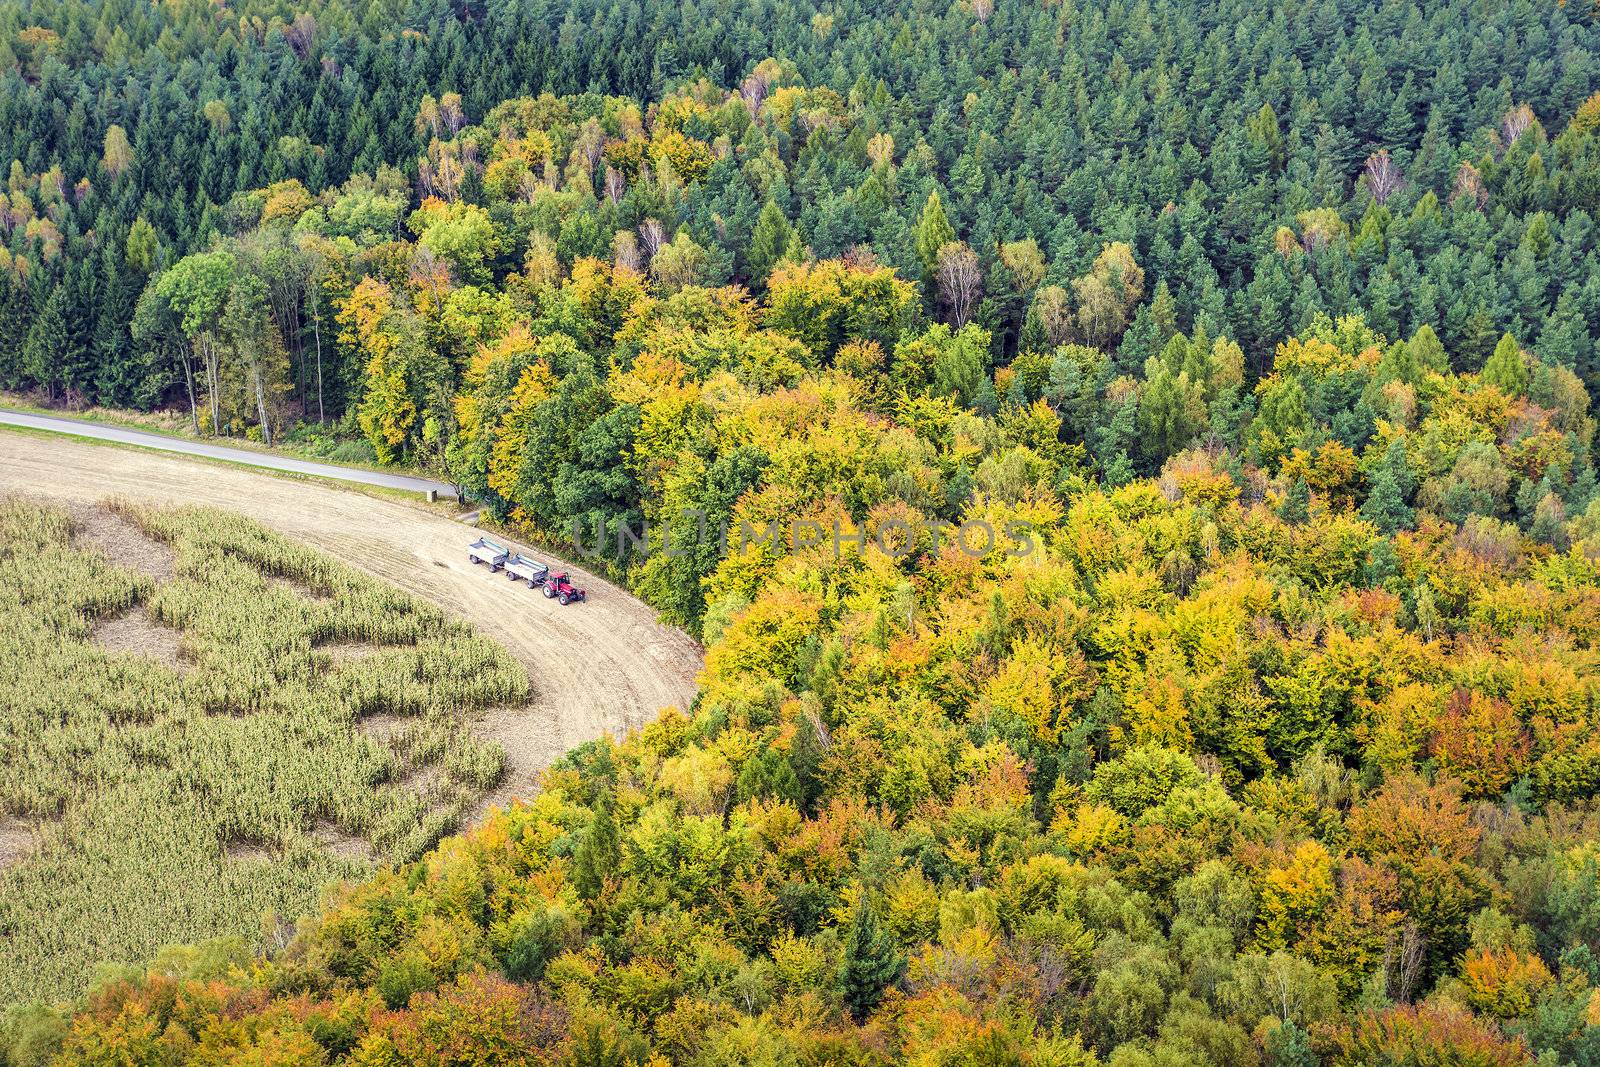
(1264, 309)
(1475, 340)
(1384, 301)
(1527, 498)
(1266, 140)
(1141, 342)
(1583, 489)
(1290, 1046)
(871, 962)
(1565, 340)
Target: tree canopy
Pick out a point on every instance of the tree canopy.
(1188, 410)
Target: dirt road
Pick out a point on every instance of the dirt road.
(604, 665)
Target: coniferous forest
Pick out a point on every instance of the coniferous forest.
(1264, 732)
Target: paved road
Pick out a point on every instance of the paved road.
(271, 461)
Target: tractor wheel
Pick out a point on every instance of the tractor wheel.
(565, 600)
(548, 592)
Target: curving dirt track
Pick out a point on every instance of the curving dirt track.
(603, 665)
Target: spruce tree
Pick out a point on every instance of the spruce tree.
(1384, 507)
(1506, 369)
(794, 251)
(932, 232)
(1383, 563)
(75, 360)
(1393, 483)
(118, 373)
(768, 241)
(16, 313)
(872, 961)
(597, 854)
(1296, 507)
(985, 400)
(47, 339)
(767, 775)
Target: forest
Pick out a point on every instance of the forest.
(1273, 325)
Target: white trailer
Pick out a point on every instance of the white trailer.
(488, 553)
(523, 568)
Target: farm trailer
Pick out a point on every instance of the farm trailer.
(488, 553)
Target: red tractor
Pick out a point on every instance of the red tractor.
(560, 587)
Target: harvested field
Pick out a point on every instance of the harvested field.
(605, 665)
(17, 838)
(119, 540)
(136, 633)
(341, 843)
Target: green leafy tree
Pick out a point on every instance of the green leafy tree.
(1283, 417)
(197, 289)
